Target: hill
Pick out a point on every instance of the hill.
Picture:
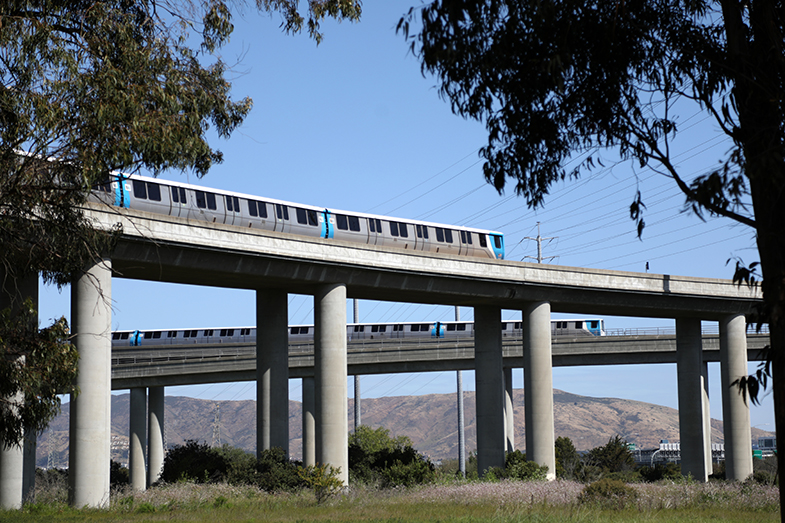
(431, 421)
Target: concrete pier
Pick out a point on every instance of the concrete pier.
(155, 434)
(489, 376)
(137, 441)
(689, 366)
(735, 412)
(509, 412)
(272, 370)
(309, 422)
(90, 429)
(332, 425)
(12, 455)
(538, 386)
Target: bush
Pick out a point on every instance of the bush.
(669, 471)
(118, 474)
(608, 493)
(377, 459)
(516, 466)
(194, 461)
(322, 479)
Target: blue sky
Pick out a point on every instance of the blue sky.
(352, 124)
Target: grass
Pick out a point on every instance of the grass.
(466, 502)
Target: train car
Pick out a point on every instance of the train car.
(244, 210)
(354, 331)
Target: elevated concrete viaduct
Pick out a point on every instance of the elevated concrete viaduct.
(161, 248)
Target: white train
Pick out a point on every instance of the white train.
(354, 331)
(243, 210)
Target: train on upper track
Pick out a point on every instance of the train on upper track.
(244, 210)
(354, 331)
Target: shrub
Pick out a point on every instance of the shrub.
(322, 479)
(194, 461)
(516, 466)
(377, 459)
(275, 473)
(609, 493)
(118, 474)
(669, 471)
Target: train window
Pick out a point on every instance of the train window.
(374, 328)
(295, 330)
(148, 335)
(448, 235)
(450, 328)
(178, 195)
(394, 228)
(439, 234)
(341, 222)
(382, 328)
(282, 211)
(208, 332)
(361, 328)
(104, 186)
(140, 189)
(154, 192)
(245, 332)
(483, 241)
(578, 324)
(156, 335)
(425, 327)
(252, 208)
(304, 330)
(171, 334)
(211, 201)
(372, 225)
(415, 328)
(404, 230)
(517, 325)
(378, 225)
(200, 201)
(497, 241)
(468, 237)
(422, 231)
(463, 236)
(233, 203)
(124, 336)
(504, 326)
(312, 219)
(397, 328)
(594, 324)
(461, 326)
(301, 218)
(115, 335)
(354, 223)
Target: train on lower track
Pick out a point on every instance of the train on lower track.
(244, 210)
(354, 331)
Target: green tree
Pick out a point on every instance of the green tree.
(568, 461)
(563, 80)
(377, 458)
(92, 87)
(614, 456)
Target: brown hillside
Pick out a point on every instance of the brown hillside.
(431, 421)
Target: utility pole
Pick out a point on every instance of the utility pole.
(357, 399)
(217, 425)
(539, 240)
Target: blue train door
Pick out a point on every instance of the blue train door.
(437, 331)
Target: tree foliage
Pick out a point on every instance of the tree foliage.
(376, 458)
(557, 81)
(87, 88)
(37, 366)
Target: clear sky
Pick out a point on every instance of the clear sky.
(352, 124)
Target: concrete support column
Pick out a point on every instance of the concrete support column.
(689, 366)
(155, 434)
(12, 455)
(538, 385)
(706, 418)
(509, 413)
(272, 370)
(461, 428)
(137, 440)
(12, 470)
(735, 412)
(90, 430)
(332, 425)
(489, 378)
(309, 422)
(28, 470)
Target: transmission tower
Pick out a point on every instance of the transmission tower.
(539, 240)
(217, 426)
